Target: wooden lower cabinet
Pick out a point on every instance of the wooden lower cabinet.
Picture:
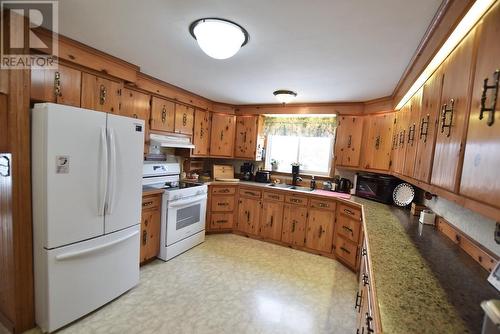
(319, 232)
(249, 210)
(294, 224)
(272, 220)
(346, 250)
(221, 221)
(150, 227)
(221, 208)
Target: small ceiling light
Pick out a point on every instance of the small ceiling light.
(218, 38)
(284, 96)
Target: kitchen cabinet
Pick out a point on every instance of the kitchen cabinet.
(348, 141)
(184, 119)
(222, 135)
(367, 320)
(61, 85)
(479, 178)
(319, 232)
(221, 221)
(431, 98)
(100, 94)
(272, 217)
(162, 114)
(150, 227)
(347, 234)
(400, 141)
(455, 98)
(135, 104)
(378, 141)
(221, 208)
(411, 138)
(294, 224)
(249, 141)
(249, 211)
(201, 135)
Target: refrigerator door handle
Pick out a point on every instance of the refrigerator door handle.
(112, 172)
(72, 255)
(103, 173)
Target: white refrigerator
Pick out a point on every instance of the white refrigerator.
(86, 178)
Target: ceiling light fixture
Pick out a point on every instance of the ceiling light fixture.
(219, 38)
(284, 96)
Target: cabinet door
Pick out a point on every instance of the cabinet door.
(378, 141)
(184, 119)
(348, 142)
(135, 104)
(294, 224)
(411, 138)
(272, 220)
(247, 131)
(431, 98)
(222, 135)
(100, 94)
(402, 125)
(150, 234)
(61, 86)
(319, 235)
(162, 114)
(454, 115)
(249, 215)
(201, 136)
(480, 179)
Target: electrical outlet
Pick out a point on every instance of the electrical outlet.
(497, 233)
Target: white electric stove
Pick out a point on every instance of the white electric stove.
(184, 207)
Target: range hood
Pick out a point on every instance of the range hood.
(170, 141)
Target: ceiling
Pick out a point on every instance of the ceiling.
(326, 50)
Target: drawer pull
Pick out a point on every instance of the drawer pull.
(493, 105)
(357, 302)
(345, 250)
(295, 200)
(223, 204)
(223, 191)
(364, 252)
(369, 320)
(349, 212)
(444, 111)
(222, 221)
(347, 228)
(274, 196)
(323, 205)
(365, 280)
(144, 237)
(250, 193)
(146, 204)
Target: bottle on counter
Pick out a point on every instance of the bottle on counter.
(313, 183)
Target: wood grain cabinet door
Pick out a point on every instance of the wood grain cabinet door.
(382, 142)
(272, 220)
(319, 235)
(150, 234)
(135, 104)
(294, 224)
(454, 111)
(348, 141)
(411, 138)
(61, 85)
(100, 94)
(431, 98)
(402, 125)
(162, 114)
(247, 131)
(249, 210)
(184, 119)
(480, 179)
(222, 135)
(201, 136)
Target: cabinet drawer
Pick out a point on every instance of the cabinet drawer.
(250, 193)
(222, 203)
(223, 190)
(354, 213)
(346, 250)
(221, 220)
(348, 228)
(274, 196)
(322, 204)
(298, 200)
(151, 202)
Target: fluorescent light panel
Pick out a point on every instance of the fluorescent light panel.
(466, 24)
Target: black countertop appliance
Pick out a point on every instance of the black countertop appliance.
(376, 187)
(246, 171)
(263, 176)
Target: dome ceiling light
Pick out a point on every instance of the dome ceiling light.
(219, 38)
(284, 96)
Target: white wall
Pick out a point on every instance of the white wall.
(479, 228)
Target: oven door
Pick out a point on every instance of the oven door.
(185, 217)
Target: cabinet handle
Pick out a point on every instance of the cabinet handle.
(349, 141)
(223, 191)
(493, 105)
(423, 133)
(365, 280)
(250, 193)
(184, 119)
(274, 196)
(369, 320)
(364, 252)
(144, 237)
(357, 302)
(222, 221)
(342, 248)
(272, 219)
(222, 135)
(293, 226)
(102, 94)
(245, 137)
(248, 216)
(57, 84)
(295, 200)
(163, 114)
(411, 134)
(394, 141)
(320, 231)
(347, 228)
(202, 131)
(146, 204)
(444, 111)
(135, 116)
(222, 204)
(402, 135)
(377, 142)
(349, 212)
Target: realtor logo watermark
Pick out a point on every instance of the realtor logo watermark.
(29, 34)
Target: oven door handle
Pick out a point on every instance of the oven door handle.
(187, 201)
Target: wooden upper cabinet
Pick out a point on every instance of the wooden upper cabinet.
(480, 179)
(184, 119)
(431, 98)
(319, 235)
(412, 133)
(377, 141)
(135, 104)
(348, 141)
(61, 85)
(400, 140)
(222, 135)
(454, 111)
(249, 141)
(201, 136)
(162, 114)
(100, 94)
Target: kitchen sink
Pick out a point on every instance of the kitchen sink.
(289, 186)
(301, 188)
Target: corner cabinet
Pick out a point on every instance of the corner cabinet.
(221, 208)
(320, 225)
(348, 141)
(150, 227)
(100, 94)
(222, 135)
(201, 135)
(249, 141)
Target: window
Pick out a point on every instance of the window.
(313, 153)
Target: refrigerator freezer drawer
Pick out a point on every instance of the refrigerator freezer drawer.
(74, 280)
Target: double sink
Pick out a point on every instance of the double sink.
(289, 186)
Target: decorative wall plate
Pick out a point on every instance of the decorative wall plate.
(403, 194)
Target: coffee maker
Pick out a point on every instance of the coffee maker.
(246, 171)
